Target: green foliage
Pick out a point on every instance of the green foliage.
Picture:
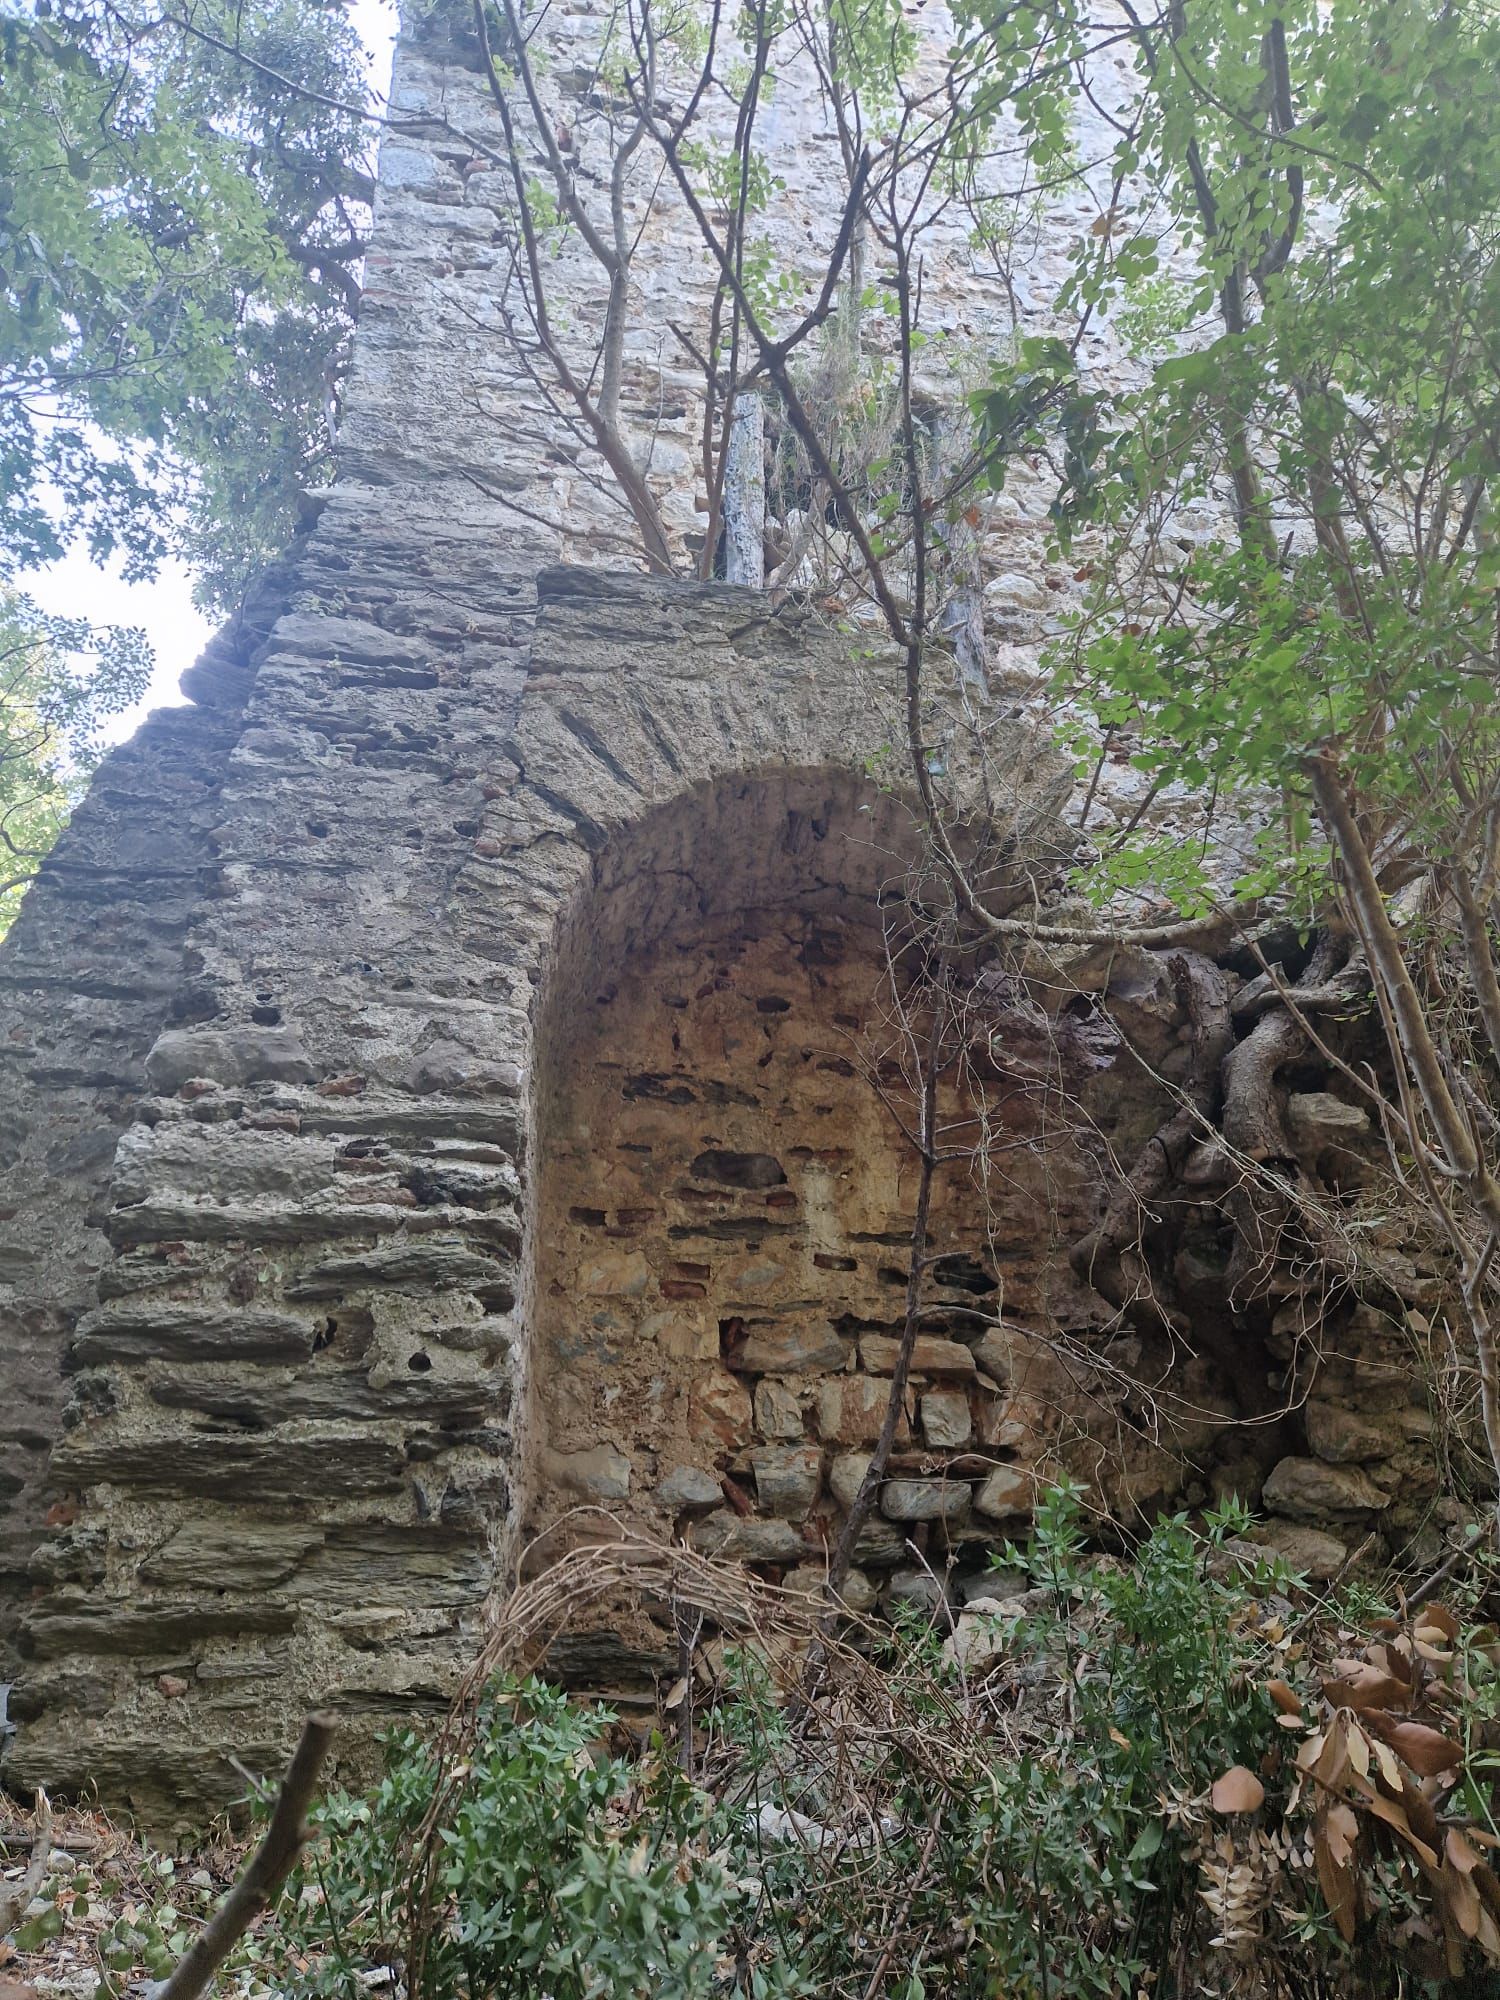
(1036, 1852)
(559, 1870)
(1320, 363)
(60, 679)
(178, 216)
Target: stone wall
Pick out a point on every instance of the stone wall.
(91, 972)
(442, 1084)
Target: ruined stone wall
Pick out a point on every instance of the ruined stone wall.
(426, 1106)
(91, 972)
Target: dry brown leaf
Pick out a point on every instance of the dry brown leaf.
(1359, 1750)
(1340, 1891)
(1332, 1766)
(1459, 1852)
(1359, 1685)
(1462, 1899)
(1284, 1698)
(1342, 1832)
(1426, 1751)
(1237, 1791)
(1385, 1757)
(1395, 1817)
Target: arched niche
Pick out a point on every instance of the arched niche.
(723, 1209)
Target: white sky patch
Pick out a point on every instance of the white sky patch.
(77, 587)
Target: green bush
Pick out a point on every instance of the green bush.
(879, 1821)
(553, 1871)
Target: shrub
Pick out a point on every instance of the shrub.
(1118, 1782)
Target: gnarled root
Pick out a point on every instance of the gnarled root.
(1112, 1257)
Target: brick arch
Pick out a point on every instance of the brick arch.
(721, 1212)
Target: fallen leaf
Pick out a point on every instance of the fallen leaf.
(1426, 1751)
(1237, 1791)
(1395, 1817)
(1442, 1617)
(1342, 1831)
(1390, 1770)
(1359, 1685)
(1336, 1882)
(1284, 1698)
(1460, 1853)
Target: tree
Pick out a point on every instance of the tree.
(1324, 676)
(182, 203)
(59, 681)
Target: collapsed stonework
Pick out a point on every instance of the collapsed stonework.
(442, 1099)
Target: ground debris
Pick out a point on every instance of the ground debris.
(114, 1912)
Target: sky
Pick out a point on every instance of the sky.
(77, 587)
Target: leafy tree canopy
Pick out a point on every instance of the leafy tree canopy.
(1302, 243)
(182, 196)
(60, 680)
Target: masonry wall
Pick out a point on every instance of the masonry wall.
(400, 1054)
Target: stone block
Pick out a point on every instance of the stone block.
(690, 1486)
(412, 1567)
(600, 1473)
(946, 1420)
(1009, 1490)
(979, 1638)
(880, 1544)
(1002, 1427)
(419, 1265)
(924, 1500)
(1342, 1436)
(448, 1069)
(1305, 1489)
(808, 1347)
(1316, 1555)
(238, 1554)
(931, 1355)
(271, 1468)
(189, 1333)
(719, 1411)
(993, 1355)
(624, 1275)
(744, 1538)
(788, 1478)
(915, 1589)
(682, 1338)
(1317, 1119)
(846, 1475)
(59, 1625)
(227, 1055)
(778, 1412)
(851, 1409)
(808, 1578)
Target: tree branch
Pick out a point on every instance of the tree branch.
(258, 1887)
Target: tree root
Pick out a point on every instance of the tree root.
(1112, 1257)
